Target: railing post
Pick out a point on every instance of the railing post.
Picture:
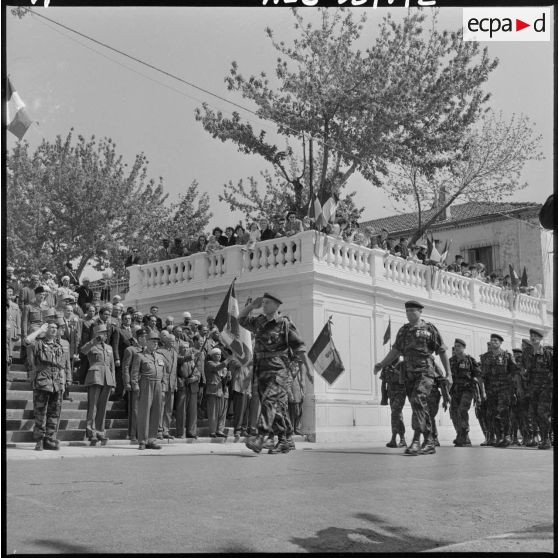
(377, 269)
(233, 261)
(136, 281)
(307, 239)
(475, 291)
(200, 265)
(543, 311)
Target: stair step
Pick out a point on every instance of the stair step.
(26, 436)
(28, 394)
(65, 424)
(23, 384)
(68, 414)
(17, 368)
(81, 404)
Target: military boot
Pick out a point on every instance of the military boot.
(515, 441)
(255, 443)
(414, 448)
(435, 441)
(291, 443)
(505, 442)
(402, 442)
(467, 441)
(459, 439)
(282, 446)
(544, 444)
(50, 444)
(269, 442)
(39, 445)
(393, 442)
(531, 441)
(430, 447)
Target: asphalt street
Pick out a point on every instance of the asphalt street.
(319, 498)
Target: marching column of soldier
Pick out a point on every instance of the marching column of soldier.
(160, 371)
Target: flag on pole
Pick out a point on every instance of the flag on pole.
(324, 355)
(237, 338)
(387, 334)
(21, 121)
(329, 209)
(433, 253)
(314, 208)
(446, 250)
(524, 278)
(514, 277)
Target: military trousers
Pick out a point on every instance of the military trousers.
(499, 402)
(97, 399)
(186, 412)
(167, 403)
(433, 408)
(418, 388)
(274, 416)
(254, 410)
(133, 399)
(295, 416)
(397, 396)
(46, 410)
(149, 410)
(481, 412)
(540, 399)
(241, 406)
(461, 399)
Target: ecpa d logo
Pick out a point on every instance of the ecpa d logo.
(506, 24)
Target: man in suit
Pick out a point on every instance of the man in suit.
(188, 386)
(112, 331)
(69, 328)
(85, 294)
(169, 352)
(133, 259)
(124, 341)
(153, 311)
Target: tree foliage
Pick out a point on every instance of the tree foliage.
(191, 215)
(346, 111)
(486, 168)
(79, 201)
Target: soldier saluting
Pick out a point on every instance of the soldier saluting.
(417, 341)
(275, 336)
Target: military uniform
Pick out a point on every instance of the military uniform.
(519, 410)
(273, 340)
(149, 374)
(100, 380)
(417, 343)
(31, 320)
(498, 372)
(171, 357)
(295, 395)
(216, 373)
(540, 378)
(394, 376)
(188, 385)
(13, 315)
(51, 369)
(133, 396)
(464, 372)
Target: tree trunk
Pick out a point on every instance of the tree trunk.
(81, 266)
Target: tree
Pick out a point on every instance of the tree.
(487, 168)
(349, 111)
(68, 202)
(188, 217)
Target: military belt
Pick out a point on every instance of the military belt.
(270, 354)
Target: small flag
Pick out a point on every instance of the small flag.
(237, 338)
(387, 334)
(324, 355)
(330, 208)
(314, 208)
(434, 255)
(21, 121)
(513, 276)
(524, 278)
(446, 250)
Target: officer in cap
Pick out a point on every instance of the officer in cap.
(464, 372)
(499, 373)
(149, 376)
(417, 341)
(100, 382)
(539, 366)
(276, 339)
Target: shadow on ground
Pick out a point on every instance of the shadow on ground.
(60, 547)
(380, 537)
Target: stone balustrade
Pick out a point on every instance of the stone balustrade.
(310, 251)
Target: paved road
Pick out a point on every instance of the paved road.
(318, 498)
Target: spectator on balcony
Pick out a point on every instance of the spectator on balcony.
(266, 232)
(177, 250)
(85, 294)
(307, 223)
(192, 244)
(292, 224)
(164, 251)
(413, 254)
(336, 231)
(202, 243)
(242, 236)
(383, 240)
(421, 254)
(254, 236)
(217, 232)
(133, 258)
(360, 239)
(455, 267)
(213, 245)
(403, 248)
(27, 294)
(278, 225)
(229, 238)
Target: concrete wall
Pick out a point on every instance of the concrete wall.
(361, 289)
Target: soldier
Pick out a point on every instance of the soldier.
(499, 372)
(13, 315)
(32, 319)
(518, 396)
(51, 372)
(482, 407)
(168, 350)
(393, 376)
(296, 397)
(464, 371)
(188, 378)
(137, 344)
(539, 365)
(438, 391)
(416, 341)
(100, 382)
(149, 376)
(275, 337)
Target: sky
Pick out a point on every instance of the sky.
(67, 81)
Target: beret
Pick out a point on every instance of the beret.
(215, 351)
(526, 342)
(186, 315)
(536, 332)
(99, 328)
(460, 341)
(39, 289)
(517, 350)
(413, 304)
(497, 337)
(271, 297)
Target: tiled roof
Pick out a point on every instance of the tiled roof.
(463, 212)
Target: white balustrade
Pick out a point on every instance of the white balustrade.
(310, 247)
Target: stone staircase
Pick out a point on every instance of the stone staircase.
(19, 416)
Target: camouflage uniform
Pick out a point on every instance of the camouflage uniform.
(433, 403)
(51, 369)
(295, 393)
(482, 409)
(519, 410)
(417, 343)
(273, 339)
(464, 372)
(499, 371)
(539, 367)
(394, 376)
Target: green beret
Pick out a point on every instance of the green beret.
(461, 342)
(533, 331)
(413, 304)
(274, 298)
(497, 336)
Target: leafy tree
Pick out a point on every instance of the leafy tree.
(79, 201)
(191, 215)
(486, 168)
(349, 111)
